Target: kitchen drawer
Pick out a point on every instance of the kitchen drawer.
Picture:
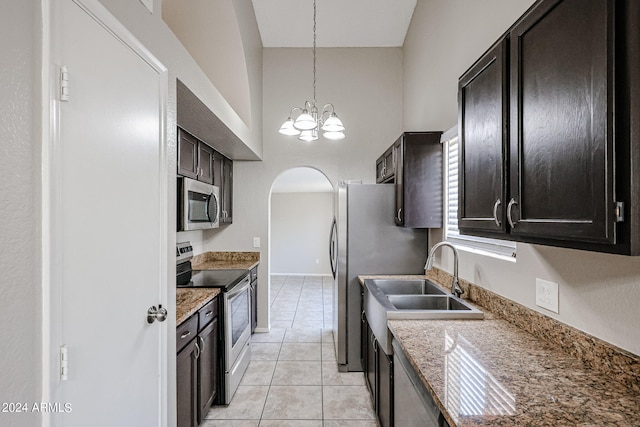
(254, 273)
(186, 332)
(207, 313)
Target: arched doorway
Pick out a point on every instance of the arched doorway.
(300, 215)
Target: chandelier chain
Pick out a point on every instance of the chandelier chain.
(310, 120)
(314, 52)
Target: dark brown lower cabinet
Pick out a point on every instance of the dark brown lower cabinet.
(378, 374)
(384, 409)
(370, 362)
(187, 385)
(207, 367)
(197, 365)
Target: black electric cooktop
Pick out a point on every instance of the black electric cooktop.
(225, 279)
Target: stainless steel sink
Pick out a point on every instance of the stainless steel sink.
(427, 302)
(407, 286)
(388, 299)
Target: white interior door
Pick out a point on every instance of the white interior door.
(109, 223)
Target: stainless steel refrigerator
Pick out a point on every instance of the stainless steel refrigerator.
(365, 240)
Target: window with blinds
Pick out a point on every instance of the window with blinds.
(452, 234)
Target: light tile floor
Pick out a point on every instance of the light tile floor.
(293, 378)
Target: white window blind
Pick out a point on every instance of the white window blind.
(452, 233)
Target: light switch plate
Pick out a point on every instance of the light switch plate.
(256, 242)
(547, 295)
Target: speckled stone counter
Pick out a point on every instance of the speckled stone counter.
(225, 260)
(491, 373)
(518, 367)
(190, 300)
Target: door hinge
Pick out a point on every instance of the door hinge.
(64, 83)
(619, 211)
(64, 363)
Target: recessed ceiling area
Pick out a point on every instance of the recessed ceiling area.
(302, 180)
(340, 23)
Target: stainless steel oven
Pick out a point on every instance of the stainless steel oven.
(237, 304)
(235, 285)
(198, 205)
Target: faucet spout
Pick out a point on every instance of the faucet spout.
(455, 285)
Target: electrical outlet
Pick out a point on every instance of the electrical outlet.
(547, 295)
(256, 242)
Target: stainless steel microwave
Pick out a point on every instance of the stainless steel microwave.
(198, 205)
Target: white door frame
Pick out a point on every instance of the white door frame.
(51, 209)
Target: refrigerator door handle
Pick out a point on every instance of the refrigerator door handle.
(332, 248)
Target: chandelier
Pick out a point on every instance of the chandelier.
(306, 124)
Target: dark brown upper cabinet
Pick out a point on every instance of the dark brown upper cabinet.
(226, 191)
(482, 120)
(562, 182)
(413, 163)
(223, 178)
(570, 141)
(386, 166)
(418, 180)
(205, 163)
(195, 158)
(187, 155)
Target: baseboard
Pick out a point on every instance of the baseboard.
(301, 274)
(262, 330)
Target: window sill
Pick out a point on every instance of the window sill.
(483, 252)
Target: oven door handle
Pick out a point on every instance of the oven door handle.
(238, 290)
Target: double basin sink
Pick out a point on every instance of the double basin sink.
(388, 299)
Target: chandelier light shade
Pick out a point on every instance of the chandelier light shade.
(288, 129)
(309, 121)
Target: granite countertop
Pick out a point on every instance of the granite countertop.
(190, 300)
(492, 373)
(225, 260)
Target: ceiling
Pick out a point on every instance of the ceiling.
(340, 23)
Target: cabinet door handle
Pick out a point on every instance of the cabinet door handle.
(197, 355)
(186, 334)
(202, 341)
(509, 206)
(400, 215)
(208, 313)
(495, 212)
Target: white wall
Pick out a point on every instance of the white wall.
(365, 84)
(599, 293)
(299, 233)
(156, 35)
(209, 31)
(20, 254)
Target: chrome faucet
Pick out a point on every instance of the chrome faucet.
(455, 286)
